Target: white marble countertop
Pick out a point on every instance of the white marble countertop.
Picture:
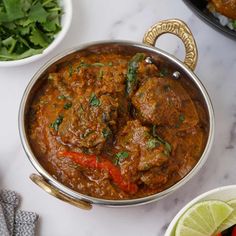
(101, 20)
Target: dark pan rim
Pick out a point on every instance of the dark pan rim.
(210, 19)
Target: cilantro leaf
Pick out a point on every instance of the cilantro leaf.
(106, 132)
(13, 9)
(38, 38)
(26, 4)
(67, 105)
(131, 80)
(94, 101)
(52, 23)
(10, 43)
(55, 125)
(37, 13)
(25, 30)
(5, 55)
(153, 143)
(163, 72)
(120, 156)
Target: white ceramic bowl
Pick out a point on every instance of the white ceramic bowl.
(224, 193)
(65, 24)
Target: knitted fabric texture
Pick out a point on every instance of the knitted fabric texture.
(15, 222)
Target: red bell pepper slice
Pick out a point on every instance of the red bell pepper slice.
(90, 161)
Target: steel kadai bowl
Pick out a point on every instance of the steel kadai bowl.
(181, 70)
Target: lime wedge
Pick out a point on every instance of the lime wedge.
(231, 220)
(232, 203)
(203, 219)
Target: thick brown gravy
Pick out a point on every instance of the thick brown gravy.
(112, 126)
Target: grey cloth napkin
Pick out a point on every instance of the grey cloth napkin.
(3, 224)
(9, 201)
(15, 222)
(25, 223)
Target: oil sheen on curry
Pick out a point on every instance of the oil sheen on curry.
(112, 126)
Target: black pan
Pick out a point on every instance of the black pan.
(200, 9)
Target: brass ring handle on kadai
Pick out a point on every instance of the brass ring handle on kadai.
(42, 183)
(181, 30)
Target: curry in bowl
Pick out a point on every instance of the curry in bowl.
(113, 125)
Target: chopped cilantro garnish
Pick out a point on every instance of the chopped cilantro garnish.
(82, 65)
(27, 27)
(100, 75)
(153, 143)
(163, 72)
(94, 101)
(106, 132)
(159, 140)
(70, 70)
(131, 81)
(180, 121)
(81, 109)
(120, 156)
(98, 64)
(61, 97)
(168, 149)
(181, 118)
(55, 125)
(68, 105)
(154, 132)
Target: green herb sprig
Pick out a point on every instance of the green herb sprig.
(131, 81)
(163, 72)
(55, 125)
(158, 141)
(94, 101)
(67, 105)
(106, 132)
(120, 156)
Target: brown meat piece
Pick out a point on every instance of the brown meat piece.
(163, 101)
(154, 178)
(134, 138)
(189, 145)
(186, 146)
(225, 7)
(150, 158)
(89, 126)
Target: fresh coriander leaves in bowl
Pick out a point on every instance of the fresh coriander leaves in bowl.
(30, 29)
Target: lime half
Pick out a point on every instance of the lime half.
(203, 218)
(231, 220)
